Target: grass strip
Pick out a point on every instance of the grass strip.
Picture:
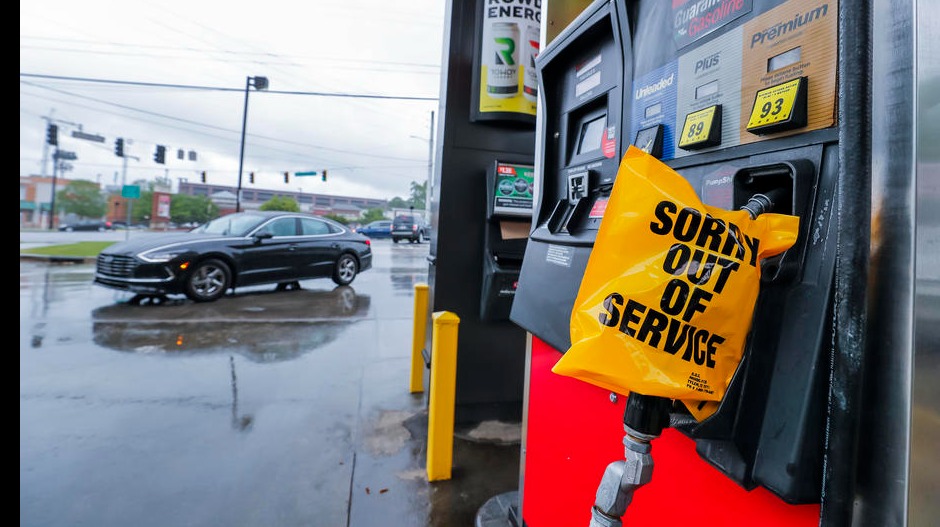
(80, 249)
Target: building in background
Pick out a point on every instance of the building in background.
(348, 207)
(36, 200)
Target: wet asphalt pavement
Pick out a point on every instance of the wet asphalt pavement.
(261, 409)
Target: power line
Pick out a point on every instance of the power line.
(218, 128)
(201, 52)
(222, 89)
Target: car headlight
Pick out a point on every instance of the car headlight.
(161, 255)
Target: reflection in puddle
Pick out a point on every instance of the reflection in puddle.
(405, 278)
(241, 423)
(263, 327)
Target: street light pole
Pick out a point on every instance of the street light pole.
(429, 185)
(260, 83)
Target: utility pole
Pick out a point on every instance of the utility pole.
(55, 173)
(130, 202)
(430, 184)
(45, 145)
(124, 164)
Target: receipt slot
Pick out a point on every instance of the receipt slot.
(740, 98)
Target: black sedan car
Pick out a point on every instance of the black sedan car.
(86, 225)
(237, 250)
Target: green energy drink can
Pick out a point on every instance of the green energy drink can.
(530, 79)
(501, 57)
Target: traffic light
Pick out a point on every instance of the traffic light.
(52, 135)
(119, 147)
(323, 177)
(286, 177)
(203, 176)
(160, 155)
(251, 177)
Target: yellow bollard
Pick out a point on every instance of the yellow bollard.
(441, 399)
(416, 384)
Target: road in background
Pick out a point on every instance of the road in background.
(263, 408)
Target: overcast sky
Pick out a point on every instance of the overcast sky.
(353, 85)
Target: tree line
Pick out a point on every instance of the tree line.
(85, 199)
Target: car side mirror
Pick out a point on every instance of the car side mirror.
(262, 236)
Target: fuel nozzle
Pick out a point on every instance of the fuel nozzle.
(646, 415)
(644, 419)
(764, 202)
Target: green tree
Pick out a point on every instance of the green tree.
(416, 198)
(197, 209)
(371, 215)
(140, 208)
(418, 194)
(397, 203)
(83, 198)
(337, 217)
(284, 203)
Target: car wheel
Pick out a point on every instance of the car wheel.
(345, 269)
(69, 229)
(208, 281)
(421, 237)
(394, 240)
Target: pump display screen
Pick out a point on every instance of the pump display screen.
(653, 110)
(706, 90)
(590, 137)
(784, 59)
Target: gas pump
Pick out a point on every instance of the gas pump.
(741, 98)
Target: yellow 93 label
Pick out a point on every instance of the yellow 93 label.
(698, 126)
(775, 104)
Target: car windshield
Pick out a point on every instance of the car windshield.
(231, 225)
(404, 219)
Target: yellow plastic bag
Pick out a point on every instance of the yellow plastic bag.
(666, 301)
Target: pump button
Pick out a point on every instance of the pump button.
(779, 108)
(702, 129)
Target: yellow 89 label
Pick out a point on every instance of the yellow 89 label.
(698, 127)
(775, 104)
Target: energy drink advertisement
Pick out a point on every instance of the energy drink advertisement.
(530, 81)
(509, 43)
(501, 58)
